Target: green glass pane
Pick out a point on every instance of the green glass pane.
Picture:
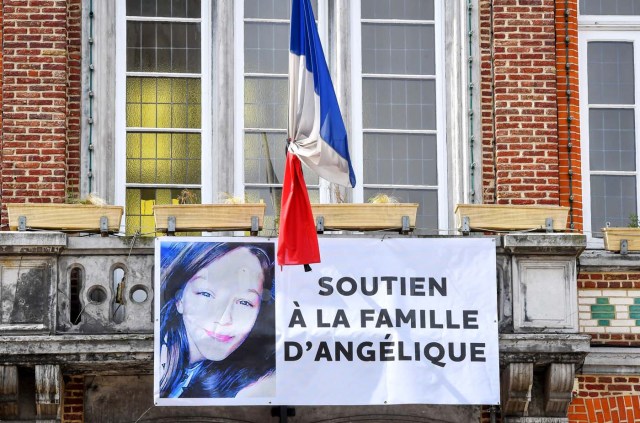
(193, 146)
(148, 146)
(164, 116)
(148, 171)
(133, 171)
(149, 90)
(164, 172)
(164, 90)
(194, 113)
(634, 315)
(637, 322)
(148, 116)
(179, 146)
(133, 145)
(193, 172)
(133, 90)
(133, 202)
(636, 300)
(634, 309)
(602, 300)
(134, 115)
(179, 93)
(194, 91)
(604, 323)
(179, 116)
(164, 146)
(179, 169)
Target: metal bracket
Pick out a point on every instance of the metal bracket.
(22, 223)
(405, 225)
(466, 225)
(171, 225)
(320, 224)
(548, 224)
(104, 226)
(255, 225)
(624, 247)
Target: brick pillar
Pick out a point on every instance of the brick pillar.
(525, 102)
(34, 107)
(73, 399)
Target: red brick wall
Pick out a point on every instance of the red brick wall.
(606, 398)
(486, 99)
(74, 94)
(524, 101)
(568, 105)
(41, 100)
(73, 400)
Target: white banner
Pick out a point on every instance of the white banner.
(379, 321)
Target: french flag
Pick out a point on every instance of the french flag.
(317, 137)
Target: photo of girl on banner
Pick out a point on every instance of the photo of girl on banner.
(217, 319)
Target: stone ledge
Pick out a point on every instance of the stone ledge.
(102, 353)
(543, 349)
(611, 360)
(543, 243)
(602, 261)
(33, 243)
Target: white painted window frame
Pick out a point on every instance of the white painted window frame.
(616, 29)
(357, 144)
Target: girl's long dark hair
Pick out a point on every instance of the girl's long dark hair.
(255, 358)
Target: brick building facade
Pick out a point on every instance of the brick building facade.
(510, 115)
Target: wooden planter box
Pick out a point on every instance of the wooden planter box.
(613, 236)
(365, 217)
(209, 217)
(499, 217)
(65, 217)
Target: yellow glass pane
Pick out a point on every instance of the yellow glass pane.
(146, 206)
(193, 172)
(194, 92)
(133, 145)
(164, 116)
(164, 146)
(179, 116)
(132, 224)
(147, 224)
(133, 171)
(148, 146)
(179, 168)
(179, 146)
(163, 196)
(133, 90)
(164, 172)
(133, 115)
(148, 90)
(148, 171)
(133, 202)
(148, 116)
(193, 146)
(179, 93)
(164, 90)
(195, 114)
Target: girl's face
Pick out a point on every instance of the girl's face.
(220, 304)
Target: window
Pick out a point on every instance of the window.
(401, 115)
(165, 107)
(180, 72)
(609, 66)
